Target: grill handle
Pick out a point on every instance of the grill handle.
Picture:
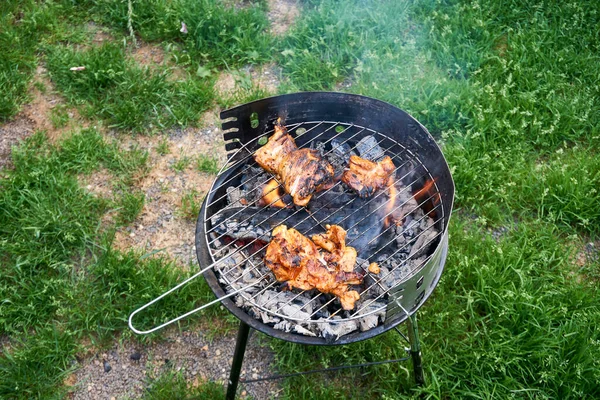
(191, 278)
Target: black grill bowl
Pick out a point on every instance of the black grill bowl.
(245, 123)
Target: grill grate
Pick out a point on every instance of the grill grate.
(410, 176)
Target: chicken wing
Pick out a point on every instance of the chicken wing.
(366, 177)
(295, 259)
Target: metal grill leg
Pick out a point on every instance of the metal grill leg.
(415, 349)
(238, 359)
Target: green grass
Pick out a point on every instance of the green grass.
(190, 204)
(181, 163)
(27, 26)
(208, 164)
(219, 34)
(130, 204)
(60, 282)
(172, 385)
(127, 96)
(510, 90)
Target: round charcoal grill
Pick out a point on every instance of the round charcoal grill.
(232, 233)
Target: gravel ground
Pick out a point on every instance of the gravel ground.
(122, 371)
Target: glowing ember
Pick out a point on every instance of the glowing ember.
(425, 192)
(271, 195)
(392, 214)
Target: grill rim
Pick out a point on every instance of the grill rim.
(205, 258)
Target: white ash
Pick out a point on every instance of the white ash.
(337, 156)
(369, 149)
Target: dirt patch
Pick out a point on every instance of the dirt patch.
(99, 183)
(588, 254)
(161, 225)
(11, 133)
(123, 371)
(148, 54)
(99, 34)
(282, 15)
(45, 104)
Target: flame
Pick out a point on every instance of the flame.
(391, 204)
(425, 192)
(428, 198)
(279, 129)
(271, 195)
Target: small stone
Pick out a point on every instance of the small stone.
(113, 398)
(107, 366)
(244, 393)
(218, 352)
(135, 356)
(124, 366)
(132, 234)
(89, 388)
(255, 376)
(205, 348)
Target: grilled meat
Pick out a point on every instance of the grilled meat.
(301, 171)
(295, 259)
(304, 172)
(277, 148)
(366, 177)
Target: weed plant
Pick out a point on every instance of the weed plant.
(208, 164)
(190, 204)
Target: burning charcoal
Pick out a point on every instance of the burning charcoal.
(330, 200)
(248, 277)
(267, 318)
(422, 243)
(253, 179)
(294, 311)
(284, 325)
(338, 156)
(371, 321)
(341, 150)
(331, 331)
(369, 149)
(303, 331)
(426, 223)
(235, 197)
(252, 223)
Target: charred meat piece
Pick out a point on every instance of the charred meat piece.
(277, 148)
(366, 177)
(296, 259)
(302, 172)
